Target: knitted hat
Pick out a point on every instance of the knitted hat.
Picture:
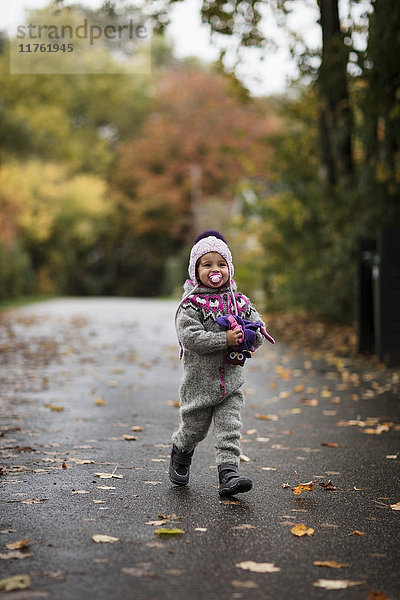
(209, 241)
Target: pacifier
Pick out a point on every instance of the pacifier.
(215, 278)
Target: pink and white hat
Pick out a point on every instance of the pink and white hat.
(211, 243)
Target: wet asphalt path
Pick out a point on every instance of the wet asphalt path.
(78, 374)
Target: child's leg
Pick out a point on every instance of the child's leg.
(227, 428)
(194, 426)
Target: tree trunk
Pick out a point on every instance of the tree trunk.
(335, 118)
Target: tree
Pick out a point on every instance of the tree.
(198, 142)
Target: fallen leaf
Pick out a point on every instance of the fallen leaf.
(18, 545)
(244, 458)
(17, 582)
(104, 539)
(270, 469)
(165, 531)
(130, 438)
(106, 487)
(250, 565)
(266, 417)
(82, 461)
(200, 529)
(245, 585)
(303, 487)
(137, 428)
(262, 439)
(109, 475)
(329, 444)
(395, 506)
(80, 492)
(330, 563)
(244, 526)
(14, 555)
(327, 486)
(336, 584)
(156, 523)
(173, 572)
(326, 394)
(54, 407)
(356, 532)
(142, 570)
(301, 529)
(99, 402)
(372, 595)
(309, 402)
(298, 388)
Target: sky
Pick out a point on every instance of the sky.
(190, 37)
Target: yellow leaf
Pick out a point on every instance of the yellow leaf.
(54, 407)
(18, 545)
(330, 563)
(356, 532)
(17, 582)
(303, 487)
(165, 531)
(301, 529)
(266, 417)
(298, 388)
(99, 402)
(326, 394)
(104, 539)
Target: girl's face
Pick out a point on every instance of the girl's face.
(213, 270)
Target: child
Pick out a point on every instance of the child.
(211, 385)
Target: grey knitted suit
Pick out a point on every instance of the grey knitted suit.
(210, 388)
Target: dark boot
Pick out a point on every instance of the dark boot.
(179, 465)
(230, 482)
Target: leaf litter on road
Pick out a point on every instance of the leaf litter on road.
(17, 582)
(301, 530)
(332, 564)
(100, 538)
(255, 567)
(337, 584)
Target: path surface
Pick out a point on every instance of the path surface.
(111, 364)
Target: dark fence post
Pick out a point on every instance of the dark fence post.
(387, 301)
(365, 296)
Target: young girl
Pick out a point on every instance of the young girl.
(212, 378)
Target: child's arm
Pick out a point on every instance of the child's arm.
(194, 337)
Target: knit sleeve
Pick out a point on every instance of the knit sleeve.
(194, 337)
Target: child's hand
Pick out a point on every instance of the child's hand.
(233, 337)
